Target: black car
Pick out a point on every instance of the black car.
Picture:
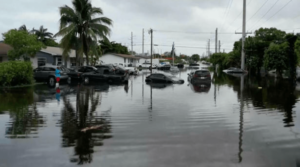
(163, 78)
(104, 76)
(76, 72)
(202, 75)
(108, 67)
(47, 74)
(164, 67)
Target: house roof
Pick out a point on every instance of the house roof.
(4, 48)
(56, 51)
(144, 57)
(125, 56)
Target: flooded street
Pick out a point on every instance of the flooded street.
(233, 121)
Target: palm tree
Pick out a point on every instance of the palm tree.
(42, 34)
(80, 28)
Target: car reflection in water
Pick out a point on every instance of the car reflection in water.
(201, 86)
(159, 85)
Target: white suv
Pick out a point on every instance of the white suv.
(146, 65)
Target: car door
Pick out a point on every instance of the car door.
(37, 73)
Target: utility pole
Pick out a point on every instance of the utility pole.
(243, 36)
(219, 46)
(151, 32)
(131, 43)
(143, 44)
(216, 42)
(208, 47)
(223, 50)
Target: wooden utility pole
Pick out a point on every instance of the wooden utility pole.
(219, 46)
(216, 41)
(151, 33)
(131, 43)
(143, 44)
(243, 36)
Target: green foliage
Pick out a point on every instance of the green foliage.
(218, 58)
(195, 57)
(15, 73)
(276, 57)
(42, 34)
(81, 28)
(24, 44)
(297, 50)
(51, 42)
(112, 47)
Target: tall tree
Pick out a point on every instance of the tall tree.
(42, 34)
(24, 45)
(80, 27)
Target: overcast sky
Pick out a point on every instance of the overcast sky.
(193, 22)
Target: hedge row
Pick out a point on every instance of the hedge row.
(13, 73)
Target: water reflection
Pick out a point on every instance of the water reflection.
(159, 85)
(268, 93)
(201, 87)
(83, 115)
(25, 120)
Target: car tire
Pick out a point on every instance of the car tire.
(86, 80)
(51, 81)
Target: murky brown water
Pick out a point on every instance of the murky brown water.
(230, 122)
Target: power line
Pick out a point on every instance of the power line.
(255, 13)
(277, 12)
(191, 32)
(185, 46)
(266, 13)
(226, 12)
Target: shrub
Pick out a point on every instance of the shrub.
(13, 73)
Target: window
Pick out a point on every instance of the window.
(48, 69)
(59, 62)
(41, 61)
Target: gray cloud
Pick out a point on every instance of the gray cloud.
(185, 16)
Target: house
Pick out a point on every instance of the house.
(48, 55)
(112, 58)
(4, 48)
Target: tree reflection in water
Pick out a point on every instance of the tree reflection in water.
(25, 120)
(275, 93)
(83, 115)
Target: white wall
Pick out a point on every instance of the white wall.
(111, 59)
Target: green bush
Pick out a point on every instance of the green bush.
(13, 73)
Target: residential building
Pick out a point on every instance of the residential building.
(46, 56)
(125, 60)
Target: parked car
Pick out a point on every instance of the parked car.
(147, 65)
(109, 67)
(164, 67)
(104, 76)
(47, 74)
(76, 72)
(199, 76)
(163, 78)
(156, 85)
(122, 70)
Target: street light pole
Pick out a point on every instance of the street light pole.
(151, 32)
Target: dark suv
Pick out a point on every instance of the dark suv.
(199, 76)
(47, 74)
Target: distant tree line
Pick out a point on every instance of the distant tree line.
(269, 48)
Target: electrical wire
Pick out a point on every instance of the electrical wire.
(226, 13)
(276, 12)
(255, 13)
(265, 13)
(192, 32)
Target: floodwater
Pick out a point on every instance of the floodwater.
(233, 121)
